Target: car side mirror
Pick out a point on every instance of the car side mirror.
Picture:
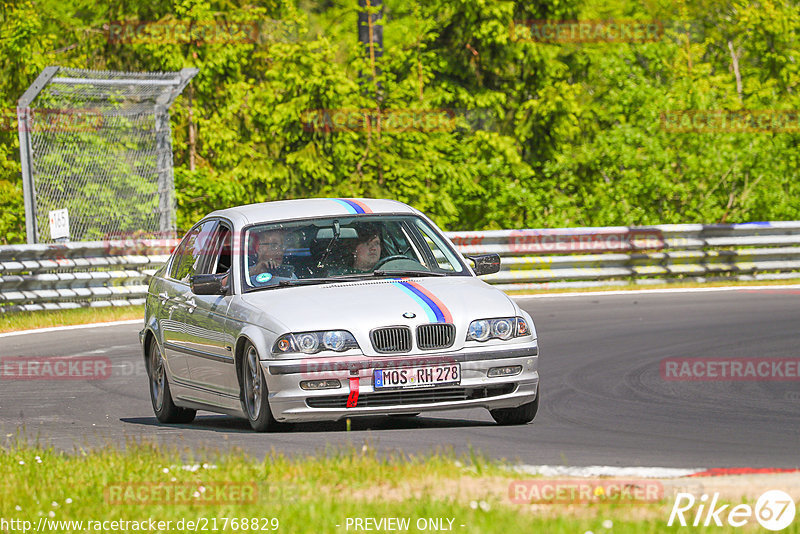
(209, 284)
(485, 264)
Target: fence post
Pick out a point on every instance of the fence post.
(25, 124)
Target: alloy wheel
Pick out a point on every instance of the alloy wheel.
(157, 376)
(253, 384)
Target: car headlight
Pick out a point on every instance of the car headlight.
(335, 339)
(479, 330)
(501, 328)
(313, 342)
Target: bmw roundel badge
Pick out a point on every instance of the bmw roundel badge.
(409, 315)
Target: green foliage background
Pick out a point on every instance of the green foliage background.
(574, 136)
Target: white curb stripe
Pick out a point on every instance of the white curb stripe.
(71, 327)
(605, 471)
(650, 291)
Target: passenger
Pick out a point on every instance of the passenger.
(367, 251)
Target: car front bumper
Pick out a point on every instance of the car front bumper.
(290, 403)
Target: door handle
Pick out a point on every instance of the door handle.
(191, 304)
(164, 297)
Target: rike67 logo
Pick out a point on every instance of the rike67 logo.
(774, 510)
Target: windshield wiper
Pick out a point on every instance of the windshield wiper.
(337, 230)
(406, 273)
(312, 281)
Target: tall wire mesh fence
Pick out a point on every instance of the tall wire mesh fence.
(99, 144)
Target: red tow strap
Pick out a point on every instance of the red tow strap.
(352, 399)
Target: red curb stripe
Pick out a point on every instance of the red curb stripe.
(773, 291)
(723, 471)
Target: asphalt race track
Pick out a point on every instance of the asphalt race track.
(604, 400)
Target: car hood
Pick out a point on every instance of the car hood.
(364, 305)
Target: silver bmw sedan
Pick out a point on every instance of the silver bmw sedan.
(322, 309)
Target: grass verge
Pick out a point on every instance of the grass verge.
(11, 322)
(319, 494)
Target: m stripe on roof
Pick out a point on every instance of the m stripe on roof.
(353, 206)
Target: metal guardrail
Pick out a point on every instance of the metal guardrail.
(591, 257)
(116, 272)
(74, 275)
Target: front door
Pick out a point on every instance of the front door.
(211, 361)
(174, 293)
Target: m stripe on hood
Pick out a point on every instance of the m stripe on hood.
(436, 311)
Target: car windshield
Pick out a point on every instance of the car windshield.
(331, 249)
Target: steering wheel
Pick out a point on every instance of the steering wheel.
(387, 259)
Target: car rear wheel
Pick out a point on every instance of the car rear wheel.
(517, 416)
(254, 392)
(160, 396)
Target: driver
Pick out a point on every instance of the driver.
(269, 258)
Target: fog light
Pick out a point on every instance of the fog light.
(510, 370)
(320, 384)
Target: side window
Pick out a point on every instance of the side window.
(221, 255)
(179, 259)
(193, 253)
(441, 254)
(407, 247)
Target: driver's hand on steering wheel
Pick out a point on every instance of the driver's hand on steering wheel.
(269, 265)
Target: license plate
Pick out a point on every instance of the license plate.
(417, 377)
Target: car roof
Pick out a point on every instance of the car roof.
(310, 207)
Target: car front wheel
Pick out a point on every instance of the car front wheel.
(164, 408)
(254, 392)
(517, 416)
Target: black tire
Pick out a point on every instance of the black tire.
(520, 415)
(254, 395)
(160, 396)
